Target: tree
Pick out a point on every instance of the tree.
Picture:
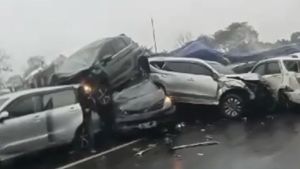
(34, 62)
(184, 38)
(295, 37)
(4, 62)
(236, 34)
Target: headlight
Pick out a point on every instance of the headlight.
(168, 100)
(87, 89)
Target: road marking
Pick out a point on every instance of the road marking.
(99, 154)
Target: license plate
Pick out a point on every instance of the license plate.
(147, 125)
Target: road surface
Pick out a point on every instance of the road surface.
(259, 142)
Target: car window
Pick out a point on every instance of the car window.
(179, 67)
(59, 99)
(272, 68)
(291, 65)
(260, 69)
(199, 69)
(157, 64)
(24, 106)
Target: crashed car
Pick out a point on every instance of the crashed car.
(142, 105)
(111, 60)
(37, 119)
(118, 70)
(282, 74)
(196, 81)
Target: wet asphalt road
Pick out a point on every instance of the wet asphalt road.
(258, 142)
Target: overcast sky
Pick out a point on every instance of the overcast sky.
(53, 27)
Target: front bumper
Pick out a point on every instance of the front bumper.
(294, 96)
(146, 120)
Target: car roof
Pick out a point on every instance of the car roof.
(12, 96)
(281, 58)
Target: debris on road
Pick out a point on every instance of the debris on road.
(206, 143)
(270, 117)
(141, 152)
(135, 149)
(245, 119)
(208, 137)
(179, 127)
(203, 130)
(262, 123)
(200, 154)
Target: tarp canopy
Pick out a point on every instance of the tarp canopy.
(196, 49)
(280, 51)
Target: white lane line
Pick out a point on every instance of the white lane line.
(99, 154)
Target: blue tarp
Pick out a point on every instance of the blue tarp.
(196, 49)
(280, 51)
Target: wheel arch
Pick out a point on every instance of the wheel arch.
(239, 91)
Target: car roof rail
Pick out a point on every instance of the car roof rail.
(294, 56)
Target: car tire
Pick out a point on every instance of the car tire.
(233, 105)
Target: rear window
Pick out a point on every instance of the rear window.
(59, 99)
(292, 65)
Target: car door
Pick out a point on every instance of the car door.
(177, 80)
(25, 129)
(271, 73)
(203, 86)
(63, 115)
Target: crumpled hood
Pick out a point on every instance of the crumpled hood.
(245, 76)
(139, 97)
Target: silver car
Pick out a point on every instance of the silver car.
(195, 81)
(36, 119)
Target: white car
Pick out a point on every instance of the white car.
(282, 74)
(195, 81)
(36, 119)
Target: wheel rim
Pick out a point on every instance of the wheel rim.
(233, 107)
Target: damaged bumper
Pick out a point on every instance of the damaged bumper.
(146, 120)
(294, 96)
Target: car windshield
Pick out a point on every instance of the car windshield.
(221, 68)
(2, 101)
(292, 65)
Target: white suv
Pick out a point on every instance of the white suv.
(283, 77)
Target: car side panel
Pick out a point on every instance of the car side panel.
(23, 134)
(63, 123)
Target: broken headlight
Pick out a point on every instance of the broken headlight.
(167, 102)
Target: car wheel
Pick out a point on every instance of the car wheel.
(232, 106)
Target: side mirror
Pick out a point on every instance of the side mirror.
(215, 77)
(4, 115)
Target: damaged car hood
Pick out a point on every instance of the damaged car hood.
(245, 76)
(139, 97)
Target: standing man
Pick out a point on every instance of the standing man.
(88, 105)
